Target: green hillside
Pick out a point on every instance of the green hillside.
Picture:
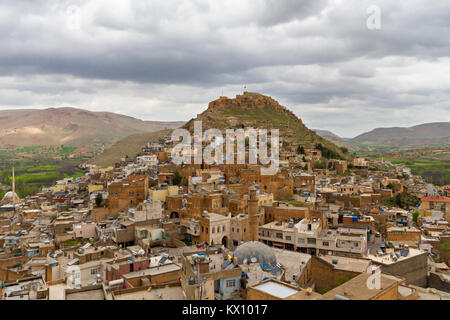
(130, 146)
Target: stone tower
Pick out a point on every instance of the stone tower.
(253, 215)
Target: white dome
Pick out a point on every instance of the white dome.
(9, 195)
(255, 249)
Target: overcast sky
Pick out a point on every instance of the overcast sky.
(165, 60)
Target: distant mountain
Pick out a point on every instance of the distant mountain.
(424, 134)
(325, 133)
(340, 142)
(70, 127)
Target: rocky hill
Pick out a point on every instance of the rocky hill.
(70, 127)
(259, 111)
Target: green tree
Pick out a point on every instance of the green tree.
(319, 164)
(415, 216)
(98, 199)
(176, 178)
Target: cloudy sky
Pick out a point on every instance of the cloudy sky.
(165, 60)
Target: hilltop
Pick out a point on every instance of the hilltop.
(259, 111)
(248, 110)
(70, 127)
(437, 133)
(326, 133)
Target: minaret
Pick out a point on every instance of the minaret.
(13, 186)
(253, 216)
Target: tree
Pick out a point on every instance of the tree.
(176, 178)
(319, 164)
(300, 150)
(415, 216)
(327, 153)
(98, 199)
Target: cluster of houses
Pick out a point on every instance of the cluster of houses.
(147, 228)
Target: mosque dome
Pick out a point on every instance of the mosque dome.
(255, 249)
(9, 195)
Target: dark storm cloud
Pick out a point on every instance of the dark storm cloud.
(146, 57)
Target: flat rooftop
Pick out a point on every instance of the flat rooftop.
(293, 262)
(215, 216)
(167, 293)
(387, 259)
(356, 288)
(153, 271)
(276, 289)
(96, 294)
(281, 226)
(403, 229)
(348, 264)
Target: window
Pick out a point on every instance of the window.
(206, 230)
(356, 244)
(288, 238)
(95, 271)
(325, 243)
(232, 229)
(231, 283)
(202, 229)
(301, 240)
(237, 229)
(223, 228)
(279, 235)
(212, 230)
